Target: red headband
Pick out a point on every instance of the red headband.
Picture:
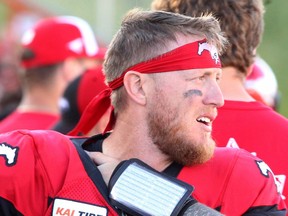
(194, 55)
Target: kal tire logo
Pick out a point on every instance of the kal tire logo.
(9, 153)
(64, 207)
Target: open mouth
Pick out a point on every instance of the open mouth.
(204, 120)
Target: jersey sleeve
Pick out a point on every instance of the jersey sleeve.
(252, 183)
(24, 172)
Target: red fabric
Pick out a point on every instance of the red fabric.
(78, 95)
(255, 94)
(194, 55)
(255, 128)
(92, 113)
(28, 120)
(47, 166)
(256, 73)
(233, 181)
(188, 56)
(54, 39)
(90, 85)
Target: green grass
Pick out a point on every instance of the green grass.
(274, 47)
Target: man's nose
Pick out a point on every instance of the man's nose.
(214, 95)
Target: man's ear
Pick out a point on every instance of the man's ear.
(133, 82)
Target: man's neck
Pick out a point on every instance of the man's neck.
(232, 85)
(132, 141)
(39, 102)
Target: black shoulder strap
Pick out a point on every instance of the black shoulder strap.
(173, 169)
(90, 167)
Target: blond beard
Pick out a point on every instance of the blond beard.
(167, 134)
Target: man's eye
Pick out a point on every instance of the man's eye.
(201, 78)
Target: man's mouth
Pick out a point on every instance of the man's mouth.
(204, 120)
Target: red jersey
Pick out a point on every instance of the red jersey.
(259, 130)
(28, 120)
(43, 174)
(47, 173)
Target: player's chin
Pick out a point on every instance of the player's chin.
(200, 154)
(210, 148)
(206, 150)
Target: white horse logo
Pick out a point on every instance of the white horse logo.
(265, 169)
(212, 49)
(9, 153)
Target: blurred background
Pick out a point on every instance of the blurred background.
(105, 17)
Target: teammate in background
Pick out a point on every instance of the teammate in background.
(55, 51)
(10, 84)
(77, 96)
(262, 84)
(242, 121)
